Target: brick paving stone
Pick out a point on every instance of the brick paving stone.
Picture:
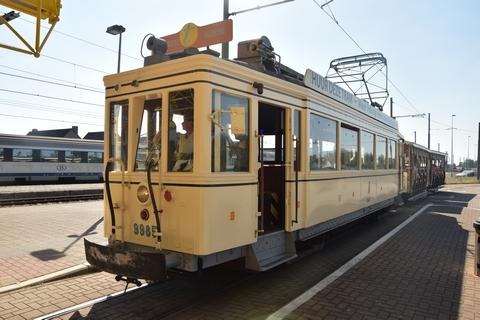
(28, 254)
(423, 272)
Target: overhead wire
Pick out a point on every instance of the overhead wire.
(82, 40)
(34, 106)
(50, 82)
(356, 43)
(75, 64)
(53, 120)
(49, 77)
(51, 97)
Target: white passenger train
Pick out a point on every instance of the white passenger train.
(29, 159)
(211, 160)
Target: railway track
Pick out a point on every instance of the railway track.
(19, 200)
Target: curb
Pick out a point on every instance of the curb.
(48, 277)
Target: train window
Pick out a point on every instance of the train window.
(119, 133)
(22, 155)
(323, 143)
(367, 150)
(349, 147)
(1, 154)
(180, 134)
(392, 154)
(298, 141)
(73, 156)
(381, 150)
(230, 128)
(95, 157)
(48, 155)
(150, 135)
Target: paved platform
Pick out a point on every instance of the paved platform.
(49, 190)
(425, 271)
(38, 240)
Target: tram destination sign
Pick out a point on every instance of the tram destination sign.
(318, 83)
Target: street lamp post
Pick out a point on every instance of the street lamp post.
(451, 149)
(468, 151)
(114, 30)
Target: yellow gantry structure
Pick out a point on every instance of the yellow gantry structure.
(41, 10)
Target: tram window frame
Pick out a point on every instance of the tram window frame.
(119, 145)
(350, 163)
(370, 165)
(315, 135)
(378, 140)
(152, 132)
(230, 150)
(392, 161)
(178, 160)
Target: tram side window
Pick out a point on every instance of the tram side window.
(323, 143)
(149, 141)
(381, 148)
(22, 155)
(230, 138)
(180, 133)
(95, 157)
(73, 156)
(367, 151)
(119, 132)
(349, 147)
(48, 156)
(392, 154)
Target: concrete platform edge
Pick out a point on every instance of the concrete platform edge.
(48, 277)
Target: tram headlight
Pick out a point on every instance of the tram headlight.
(142, 194)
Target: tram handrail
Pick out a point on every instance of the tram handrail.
(108, 165)
(296, 168)
(150, 165)
(262, 183)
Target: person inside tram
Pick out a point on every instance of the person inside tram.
(184, 148)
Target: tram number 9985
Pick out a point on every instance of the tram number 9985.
(144, 230)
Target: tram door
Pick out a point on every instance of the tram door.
(271, 175)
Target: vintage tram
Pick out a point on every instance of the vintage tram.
(212, 160)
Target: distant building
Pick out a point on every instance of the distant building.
(98, 135)
(57, 133)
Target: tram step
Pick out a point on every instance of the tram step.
(275, 261)
(270, 250)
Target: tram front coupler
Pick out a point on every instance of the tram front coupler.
(119, 259)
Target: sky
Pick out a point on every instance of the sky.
(432, 51)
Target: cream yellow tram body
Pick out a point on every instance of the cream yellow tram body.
(275, 157)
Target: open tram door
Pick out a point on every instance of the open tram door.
(271, 174)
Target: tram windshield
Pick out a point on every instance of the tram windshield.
(150, 139)
(119, 133)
